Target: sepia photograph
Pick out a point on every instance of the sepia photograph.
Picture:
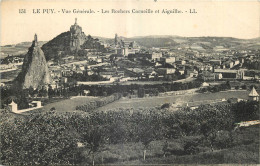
(129, 82)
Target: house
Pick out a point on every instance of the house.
(181, 62)
(215, 62)
(107, 74)
(164, 71)
(156, 56)
(218, 76)
(167, 59)
(236, 62)
(150, 73)
(208, 76)
(228, 64)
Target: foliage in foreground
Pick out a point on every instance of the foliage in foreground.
(52, 138)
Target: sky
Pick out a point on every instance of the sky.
(239, 19)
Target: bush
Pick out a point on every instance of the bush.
(166, 105)
(191, 147)
(99, 103)
(38, 140)
(246, 111)
(223, 139)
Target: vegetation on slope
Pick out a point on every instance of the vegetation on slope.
(205, 135)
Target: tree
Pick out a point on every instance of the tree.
(245, 111)
(243, 86)
(223, 139)
(141, 92)
(31, 91)
(43, 92)
(190, 147)
(228, 85)
(165, 148)
(42, 140)
(147, 130)
(94, 138)
(50, 91)
(166, 105)
(209, 133)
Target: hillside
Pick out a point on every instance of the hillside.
(155, 42)
(62, 43)
(196, 43)
(59, 43)
(17, 49)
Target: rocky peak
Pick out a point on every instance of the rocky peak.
(77, 37)
(35, 72)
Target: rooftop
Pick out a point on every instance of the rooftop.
(253, 92)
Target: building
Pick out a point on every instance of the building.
(228, 64)
(218, 76)
(156, 56)
(215, 62)
(207, 76)
(32, 106)
(204, 84)
(230, 74)
(253, 95)
(181, 62)
(164, 71)
(13, 106)
(168, 59)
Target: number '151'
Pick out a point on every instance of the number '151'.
(22, 11)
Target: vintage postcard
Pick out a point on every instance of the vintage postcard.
(129, 82)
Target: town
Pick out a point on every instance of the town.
(121, 61)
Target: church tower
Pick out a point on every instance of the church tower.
(116, 40)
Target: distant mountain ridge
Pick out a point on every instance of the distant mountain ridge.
(62, 42)
(206, 43)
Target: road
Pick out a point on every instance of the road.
(188, 79)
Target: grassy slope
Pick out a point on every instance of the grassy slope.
(244, 151)
(69, 105)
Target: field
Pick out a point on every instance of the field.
(13, 51)
(10, 75)
(181, 99)
(69, 105)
